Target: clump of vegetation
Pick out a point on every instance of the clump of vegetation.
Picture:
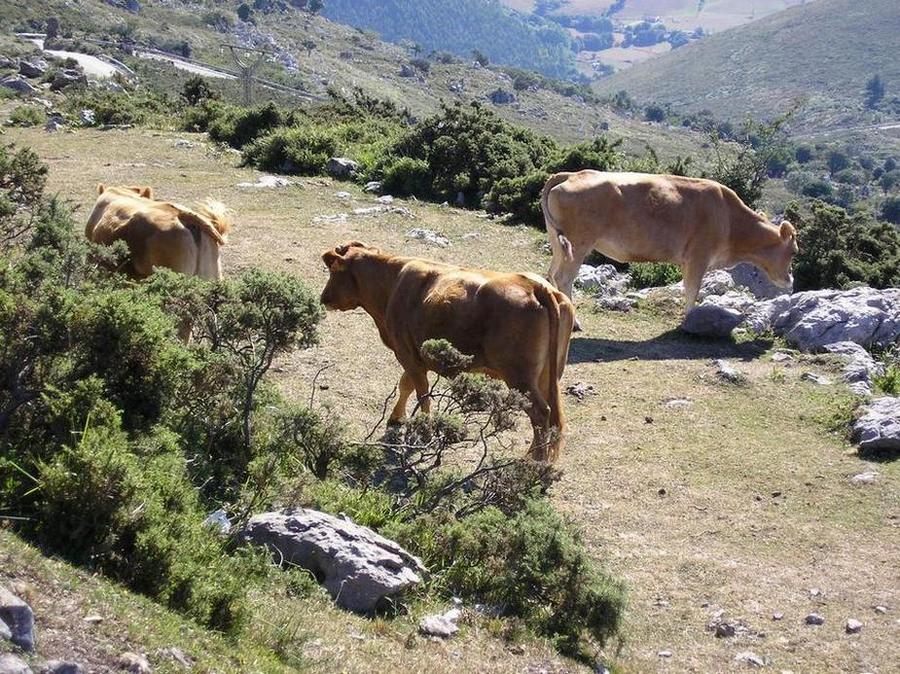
(109, 423)
(838, 249)
(451, 489)
(653, 274)
(27, 115)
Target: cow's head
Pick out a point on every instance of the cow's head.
(775, 259)
(141, 190)
(342, 293)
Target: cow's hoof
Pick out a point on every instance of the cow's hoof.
(577, 326)
(395, 423)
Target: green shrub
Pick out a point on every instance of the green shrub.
(469, 148)
(238, 127)
(653, 274)
(122, 108)
(297, 150)
(22, 181)
(27, 115)
(838, 249)
(531, 565)
(405, 176)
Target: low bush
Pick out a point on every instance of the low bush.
(27, 115)
(653, 274)
(405, 176)
(122, 108)
(237, 127)
(297, 150)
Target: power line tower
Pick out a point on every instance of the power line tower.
(246, 59)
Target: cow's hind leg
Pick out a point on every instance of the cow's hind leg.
(563, 273)
(539, 413)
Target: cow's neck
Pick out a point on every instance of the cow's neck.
(749, 234)
(376, 279)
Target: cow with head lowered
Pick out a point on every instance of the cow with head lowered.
(516, 327)
(695, 223)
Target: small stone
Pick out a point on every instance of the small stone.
(134, 663)
(580, 390)
(665, 654)
(61, 667)
(781, 357)
(386, 199)
(178, 656)
(815, 619)
(815, 378)
(724, 630)
(778, 615)
(662, 491)
(12, 664)
(438, 626)
(776, 494)
(516, 649)
(815, 592)
(727, 371)
(93, 619)
(648, 420)
(342, 195)
(881, 609)
(750, 658)
(868, 477)
(853, 626)
(428, 236)
(341, 167)
(678, 403)
(373, 186)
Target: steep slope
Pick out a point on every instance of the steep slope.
(823, 52)
(460, 26)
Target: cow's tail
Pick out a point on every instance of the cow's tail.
(552, 226)
(547, 298)
(210, 218)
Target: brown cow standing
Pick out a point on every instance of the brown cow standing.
(159, 233)
(516, 326)
(636, 217)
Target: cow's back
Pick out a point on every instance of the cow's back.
(635, 217)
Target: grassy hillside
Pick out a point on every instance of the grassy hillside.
(460, 26)
(343, 58)
(711, 15)
(822, 52)
(738, 500)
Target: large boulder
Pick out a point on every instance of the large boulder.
(712, 319)
(602, 281)
(813, 319)
(341, 167)
(359, 568)
(18, 84)
(33, 68)
(755, 281)
(67, 78)
(878, 425)
(18, 618)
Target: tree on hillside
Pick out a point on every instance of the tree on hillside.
(480, 58)
(837, 161)
(309, 45)
(315, 6)
(874, 91)
(890, 210)
(545, 7)
(245, 12)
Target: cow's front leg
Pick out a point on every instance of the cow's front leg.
(692, 273)
(406, 387)
(410, 382)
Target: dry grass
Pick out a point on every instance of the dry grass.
(683, 506)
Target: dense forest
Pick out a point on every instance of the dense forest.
(461, 26)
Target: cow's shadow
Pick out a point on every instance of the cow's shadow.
(670, 345)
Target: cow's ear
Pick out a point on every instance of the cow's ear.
(147, 192)
(787, 230)
(333, 260)
(101, 188)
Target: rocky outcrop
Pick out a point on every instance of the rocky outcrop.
(358, 567)
(878, 425)
(860, 369)
(502, 97)
(341, 167)
(33, 68)
(18, 84)
(813, 319)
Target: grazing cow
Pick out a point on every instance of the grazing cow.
(515, 326)
(636, 217)
(158, 233)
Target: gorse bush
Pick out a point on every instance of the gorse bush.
(27, 115)
(838, 249)
(117, 438)
(653, 274)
